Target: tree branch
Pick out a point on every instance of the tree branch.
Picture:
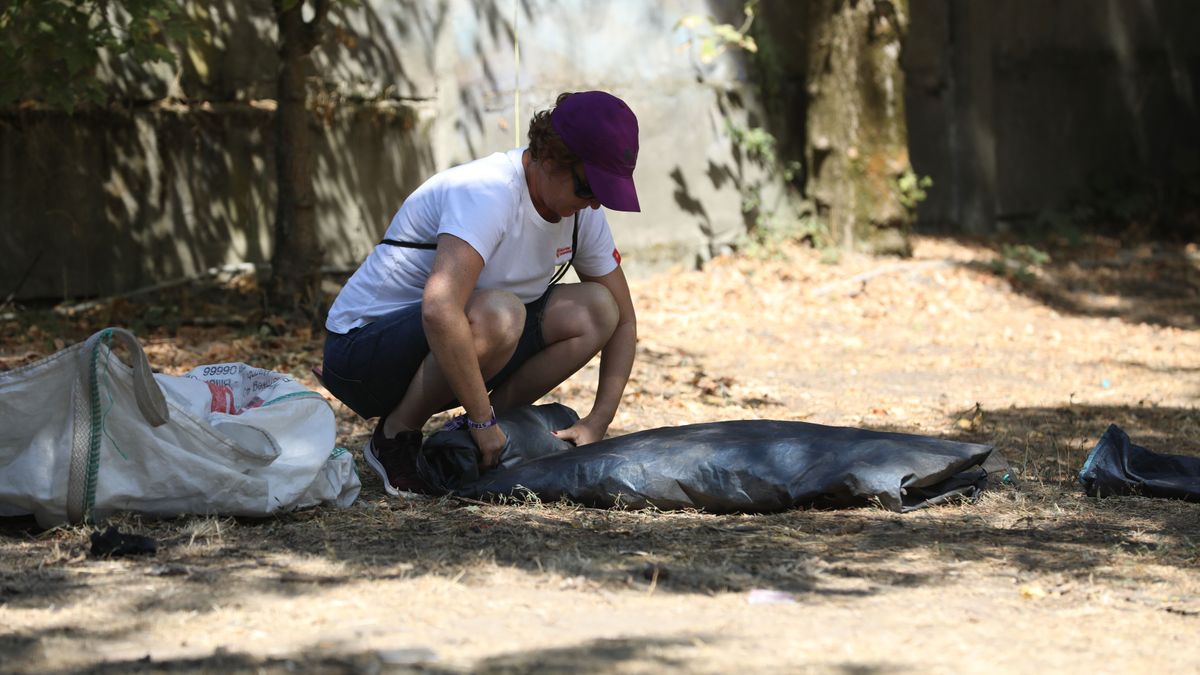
(314, 26)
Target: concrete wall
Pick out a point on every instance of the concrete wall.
(153, 188)
(1013, 107)
(1016, 107)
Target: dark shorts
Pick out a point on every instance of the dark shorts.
(369, 368)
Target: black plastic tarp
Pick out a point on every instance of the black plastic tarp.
(1118, 466)
(750, 466)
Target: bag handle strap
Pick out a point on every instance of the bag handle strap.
(84, 466)
(408, 244)
(150, 400)
(574, 245)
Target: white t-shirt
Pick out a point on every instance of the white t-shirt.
(485, 203)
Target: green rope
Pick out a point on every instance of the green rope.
(294, 394)
(97, 429)
(338, 452)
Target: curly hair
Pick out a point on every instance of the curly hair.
(545, 143)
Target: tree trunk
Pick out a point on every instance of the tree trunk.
(296, 260)
(857, 139)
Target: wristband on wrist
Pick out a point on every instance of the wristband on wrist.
(482, 425)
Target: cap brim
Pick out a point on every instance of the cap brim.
(614, 192)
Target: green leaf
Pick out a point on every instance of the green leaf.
(727, 32)
(50, 48)
(76, 60)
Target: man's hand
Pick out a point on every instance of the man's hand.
(491, 442)
(583, 432)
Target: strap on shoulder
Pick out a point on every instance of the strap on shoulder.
(554, 280)
(407, 244)
(574, 245)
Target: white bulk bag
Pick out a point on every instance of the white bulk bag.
(82, 435)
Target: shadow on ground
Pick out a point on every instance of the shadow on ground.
(1043, 525)
(587, 658)
(1151, 282)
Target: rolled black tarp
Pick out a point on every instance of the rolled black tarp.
(749, 466)
(1118, 466)
(449, 459)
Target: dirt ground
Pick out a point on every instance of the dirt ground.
(967, 341)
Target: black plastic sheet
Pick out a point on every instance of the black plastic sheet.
(113, 543)
(749, 466)
(1118, 466)
(449, 459)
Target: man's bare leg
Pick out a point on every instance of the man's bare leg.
(578, 321)
(497, 319)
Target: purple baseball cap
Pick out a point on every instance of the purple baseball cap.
(603, 132)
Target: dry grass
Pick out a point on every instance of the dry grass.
(958, 351)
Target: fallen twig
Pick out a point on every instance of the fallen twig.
(911, 266)
(210, 272)
(21, 282)
(235, 268)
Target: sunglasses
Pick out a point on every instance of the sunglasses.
(582, 189)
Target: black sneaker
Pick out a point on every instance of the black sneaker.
(395, 460)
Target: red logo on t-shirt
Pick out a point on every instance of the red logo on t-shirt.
(617, 256)
(562, 251)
